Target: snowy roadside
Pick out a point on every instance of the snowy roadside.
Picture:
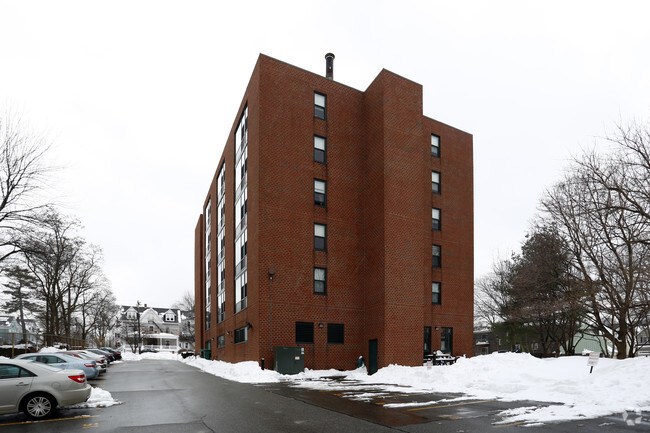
(564, 383)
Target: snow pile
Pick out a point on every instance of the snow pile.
(50, 349)
(130, 356)
(248, 371)
(98, 398)
(565, 383)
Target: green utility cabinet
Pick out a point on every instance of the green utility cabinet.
(289, 359)
(206, 353)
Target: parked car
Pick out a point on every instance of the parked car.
(116, 353)
(64, 361)
(148, 351)
(37, 389)
(109, 356)
(101, 361)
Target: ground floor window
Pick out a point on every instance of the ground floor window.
(335, 332)
(221, 341)
(304, 333)
(241, 334)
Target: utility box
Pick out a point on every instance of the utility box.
(289, 359)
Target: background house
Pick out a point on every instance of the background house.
(163, 329)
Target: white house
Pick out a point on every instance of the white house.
(162, 329)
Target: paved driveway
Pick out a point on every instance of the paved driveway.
(171, 397)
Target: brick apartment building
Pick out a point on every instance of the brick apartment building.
(338, 220)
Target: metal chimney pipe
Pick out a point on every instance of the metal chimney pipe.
(329, 66)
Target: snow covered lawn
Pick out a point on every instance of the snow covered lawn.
(564, 384)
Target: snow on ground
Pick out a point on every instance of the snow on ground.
(98, 398)
(130, 356)
(564, 384)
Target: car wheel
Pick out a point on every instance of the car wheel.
(39, 406)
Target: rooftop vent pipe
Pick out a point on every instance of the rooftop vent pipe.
(329, 66)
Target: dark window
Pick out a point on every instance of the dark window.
(335, 333)
(320, 231)
(435, 182)
(221, 341)
(435, 145)
(427, 340)
(241, 335)
(435, 218)
(304, 332)
(320, 106)
(436, 297)
(436, 255)
(13, 371)
(320, 145)
(446, 340)
(320, 192)
(320, 281)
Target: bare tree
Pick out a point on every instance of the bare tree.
(186, 305)
(67, 270)
(601, 208)
(22, 172)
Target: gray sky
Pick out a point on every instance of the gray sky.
(139, 97)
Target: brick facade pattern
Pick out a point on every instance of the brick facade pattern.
(378, 219)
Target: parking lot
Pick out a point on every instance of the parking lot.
(169, 396)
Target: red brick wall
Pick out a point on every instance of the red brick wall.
(378, 221)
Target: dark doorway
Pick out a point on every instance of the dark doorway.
(447, 340)
(372, 356)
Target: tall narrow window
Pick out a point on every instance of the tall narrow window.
(320, 106)
(320, 231)
(320, 281)
(319, 149)
(320, 191)
(435, 218)
(435, 182)
(435, 145)
(447, 340)
(427, 340)
(435, 293)
(436, 256)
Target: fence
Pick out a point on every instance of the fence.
(15, 343)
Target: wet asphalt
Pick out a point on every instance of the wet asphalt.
(171, 397)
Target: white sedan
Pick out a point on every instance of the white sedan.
(37, 389)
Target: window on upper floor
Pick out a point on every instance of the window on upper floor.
(435, 218)
(435, 182)
(319, 149)
(436, 254)
(320, 192)
(320, 237)
(320, 281)
(435, 145)
(320, 106)
(435, 293)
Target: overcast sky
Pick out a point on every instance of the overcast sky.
(138, 98)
